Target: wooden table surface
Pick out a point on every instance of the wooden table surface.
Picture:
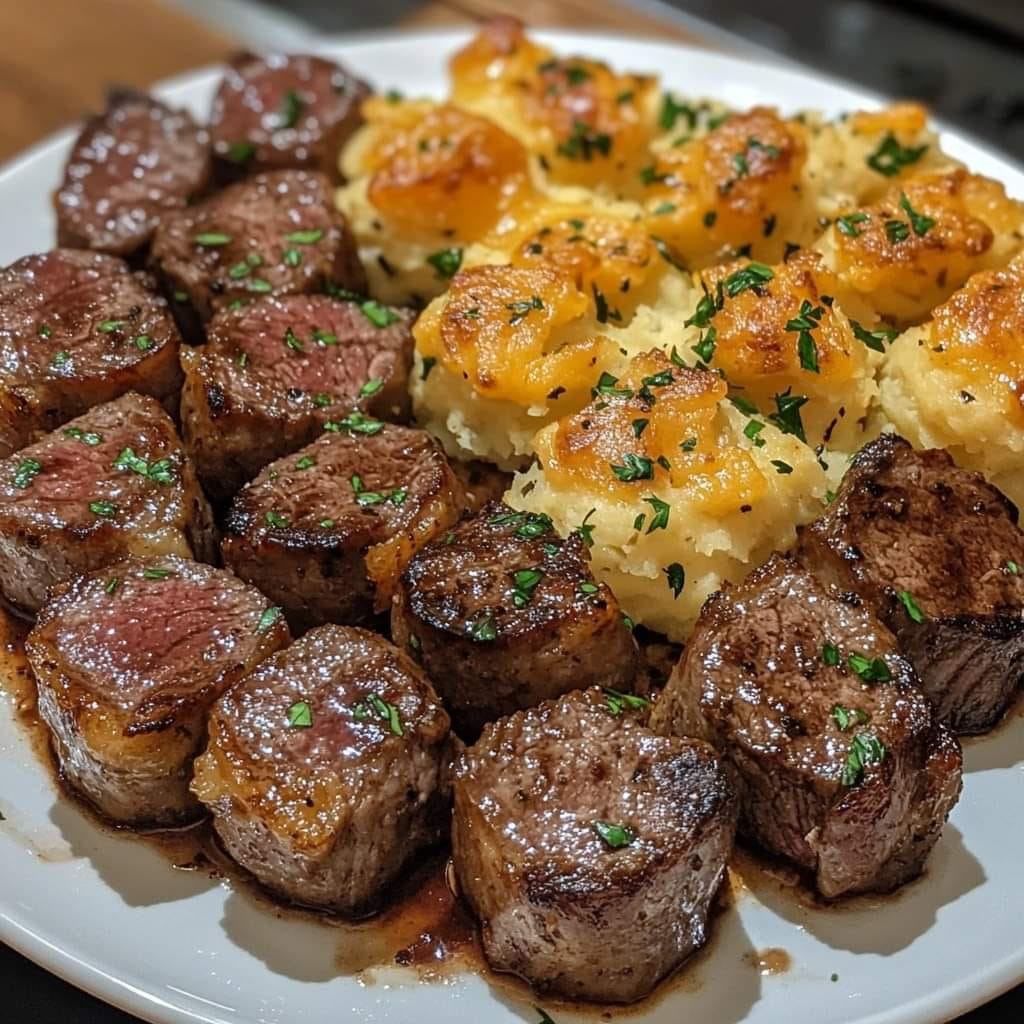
(57, 60)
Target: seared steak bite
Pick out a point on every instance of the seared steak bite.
(589, 847)
(326, 532)
(285, 111)
(128, 660)
(272, 234)
(503, 613)
(840, 763)
(274, 373)
(324, 769)
(129, 167)
(937, 553)
(78, 328)
(113, 482)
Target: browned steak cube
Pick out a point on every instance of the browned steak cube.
(274, 373)
(324, 769)
(285, 110)
(503, 613)
(589, 847)
(326, 532)
(273, 234)
(937, 553)
(840, 763)
(113, 482)
(129, 167)
(128, 661)
(78, 328)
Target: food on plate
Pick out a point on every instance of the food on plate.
(841, 765)
(954, 382)
(325, 532)
(128, 659)
(325, 769)
(272, 234)
(128, 168)
(114, 482)
(274, 373)
(78, 328)
(503, 613)
(935, 551)
(590, 848)
(912, 248)
(675, 487)
(284, 110)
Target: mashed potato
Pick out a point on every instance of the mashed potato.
(676, 489)
(955, 382)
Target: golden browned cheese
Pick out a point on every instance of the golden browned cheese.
(658, 410)
(734, 187)
(979, 336)
(599, 252)
(915, 246)
(498, 327)
(590, 125)
(442, 170)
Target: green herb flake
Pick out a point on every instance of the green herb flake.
(615, 837)
(659, 520)
(754, 275)
(156, 573)
(371, 387)
(830, 655)
(89, 437)
(848, 225)
(268, 618)
(44, 331)
(111, 585)
(276, 519)
(522, 308)
(787, 415)
(782, 468)
(240, 152)
(291, 257)
(212, 239)
(378, 315)
(608, 385)
(752, 430)
(676, 576)
(639, 426)
(62, 357)
(846, 718)
(306, 462)
(583, 143)
(634, 467)
(912, 607)
(875, 340)
(586, 529)
(355, 423)
(666, 253)
(300, 715)
(672, 110)
(866, 749)
(310, 237)
(918, 221)
(525, 581)
(890, 157)
(871, 670)
(897, 231)
(617, 701)
(429, 362)
(291, 109)
(27, 471)
(446, 262)
(104, 509)
(1011, 568)
(483, 629)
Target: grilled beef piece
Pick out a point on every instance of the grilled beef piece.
(503, 613)
(129, 167)
(128, 661)
(113, 482)
(274, 373)
(840, 763)
(326, 532)
(285, 111)
(273, 234)
(937, 553)
(325, 769)
(589, 847)
(78, 328)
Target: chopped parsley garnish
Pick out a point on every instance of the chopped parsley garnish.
(848, 225)
(897, 230)
(864, 750)
(27, 471)
(787, 414)
(61, 358)
(371, 387)
(378, 315)
(912, 607)
(258, 284)
(522, 308)
(745, 405)
(89, 437)
(751, 276)
(300, 715)
(609, 385)
(705, 347)
(44, 331)
(847, 717)
(688, 445)
(105, 509)
(635, 467)
(276, 520)
(212, 239)
(525, 581)
(918, 221)
(830, 655)
(604, 311)
(617, 701)
(709, 218)
(545, 1017)
(326, 524)
(109, 326)
(383, 710)
(483, 629)
(671, 111)
(614, 836)
(159, 471)
(639, 426)
(292, 340)
(751, 431)
(666, 253)
(529, 525)
(584, 142)
(291, 257)
(782, 468)
(707, 307)
(268, 618)
(808, 319)
(588, 589)
(240, 152)
(446, 262)
(306, 462)
(586, 529)
(156, 573)
(871, 670)
(355, 423)
(1011, 568)
(890, 157)
(664, 207)
(429, 362)
(310, 237)
(676, 576)
(323, 337)
(291, 109)
(143, 343)
(659, 521)
(874, 340)
(111, 585)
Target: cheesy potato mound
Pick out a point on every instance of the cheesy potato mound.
(675, 321)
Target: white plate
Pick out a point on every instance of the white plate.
(109, 915)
